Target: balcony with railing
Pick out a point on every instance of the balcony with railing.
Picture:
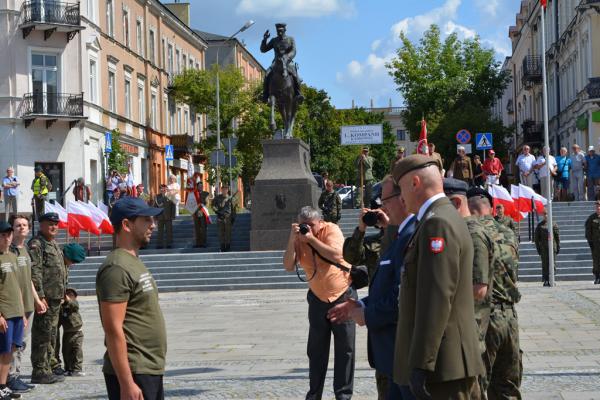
(533, 131)
(183, 145)
(532, 71)
(50, 17)
(52, 107)
(593, 90)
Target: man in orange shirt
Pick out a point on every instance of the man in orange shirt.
(492, 167)
(316, 245)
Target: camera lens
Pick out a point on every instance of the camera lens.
(371, 218)
(304, 228)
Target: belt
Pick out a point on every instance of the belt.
(502, 306)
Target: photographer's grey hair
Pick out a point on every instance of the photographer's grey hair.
(307, 213)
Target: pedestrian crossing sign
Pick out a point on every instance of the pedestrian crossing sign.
(484, 141)
(169, 152)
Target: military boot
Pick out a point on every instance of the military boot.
(46, 379)
(597, 280)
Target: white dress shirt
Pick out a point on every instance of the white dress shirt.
(426, 205)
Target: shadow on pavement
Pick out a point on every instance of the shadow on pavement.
(191, 371)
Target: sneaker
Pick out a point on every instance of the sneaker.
(6, 393)
(46, 379)
(18, 386)
(58, 371)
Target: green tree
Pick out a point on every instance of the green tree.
(117, 158)
(452, 83)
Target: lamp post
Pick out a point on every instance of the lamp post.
(242, 29)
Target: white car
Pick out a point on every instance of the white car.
(345, 191)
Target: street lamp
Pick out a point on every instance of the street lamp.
(242, 29)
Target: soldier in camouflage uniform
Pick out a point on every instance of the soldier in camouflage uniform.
(541, 245)
(223, 207)
(49, 277)
(505, 219)
(330, 203)
(502, 357)
(592, 235)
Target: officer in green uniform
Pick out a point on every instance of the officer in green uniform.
(592, 235)
(505, 219)
(72, 342)
(49, 277)
(502, 356)
(437, 350)
(364, 164)
(165, 219)
(73, 253)
(330, 203)
(541, 245)
(223, 207)
(40, 187)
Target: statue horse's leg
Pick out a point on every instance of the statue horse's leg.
(272, 125)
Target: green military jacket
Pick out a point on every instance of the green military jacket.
(222, 206)
(508, 222)
(541, 238)
(361, 250)
(48, 270)
(162, 201)
(70, 318)
(331, 204)
(367, 168)
(435, 330)
(592, 229)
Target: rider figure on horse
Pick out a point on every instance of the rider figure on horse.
(284, 48)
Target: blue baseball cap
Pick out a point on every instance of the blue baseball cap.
(129, 207)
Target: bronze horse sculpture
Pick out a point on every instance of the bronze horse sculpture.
(282, 96)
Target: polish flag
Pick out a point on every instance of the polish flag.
(422, 146)
(204, 211)
(515, 194)
(501, 196)
(100, 218)
(62, 213)
(544, 3)
(526, 194)
(80, 213)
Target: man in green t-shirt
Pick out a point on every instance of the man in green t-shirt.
(134, 327)
(12, 314)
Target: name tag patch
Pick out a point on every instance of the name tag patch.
(436, 245)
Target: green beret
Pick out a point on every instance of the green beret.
(71, 289)
(455, 186)
(74, 252)
(411, 163)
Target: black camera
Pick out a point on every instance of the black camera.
(304, 228)
(371, 218)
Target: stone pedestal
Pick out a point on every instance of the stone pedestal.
(284, 185)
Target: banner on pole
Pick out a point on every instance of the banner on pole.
(361, 134)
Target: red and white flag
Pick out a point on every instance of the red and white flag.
(422, 147)
(544, 3)
(80, 214)
(526, 194)
(100, 218)
(501, 196)
(204, 211)
(515, 194)
(62, 213)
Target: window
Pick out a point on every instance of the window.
(179, 124)
(141, 104)
(140, 37)
(110, 20)
(166, 114)
(400, 134)
(164, 52)
(151, 47)
(126, 27)
(153, 111)
(191, 63)
(186, 121)
(184, 63)
(91, 10)
(44, 79)
(93, 82)
(170, 60)
(112, 98)
(177, 61)
(171, 117)
(127, 98)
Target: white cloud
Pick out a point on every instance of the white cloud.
(488, 7)
(420, 23)
(462, 31)
(375, 45)
(296, 8)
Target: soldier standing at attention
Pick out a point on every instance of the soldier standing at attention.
(437, 349)
(502, 356)
(40, 187)
(541, 245)
(592, 235)
(165, 219)
(223, 207)
(505, 219)
(330, 203)
(49, 277)
(364, 172)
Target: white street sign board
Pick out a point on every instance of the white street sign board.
(361, 134)
(467, 146)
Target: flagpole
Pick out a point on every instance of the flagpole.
(547, 145)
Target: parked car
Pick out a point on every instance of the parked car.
(347, 199)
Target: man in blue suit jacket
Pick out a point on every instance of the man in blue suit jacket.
(379, 310)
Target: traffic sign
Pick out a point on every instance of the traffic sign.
(169, 152)
(466, 146)
(463, 136)
(233, 161)
(108, 139)
(229, 143)
(483, 141)
(217, 157)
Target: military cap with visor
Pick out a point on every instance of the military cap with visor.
(131, 207)
(49, 216)
(455, 186)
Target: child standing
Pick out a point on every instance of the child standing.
(72, 340)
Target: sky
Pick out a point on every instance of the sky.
(343, 45)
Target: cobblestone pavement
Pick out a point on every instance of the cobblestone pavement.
(252, 345)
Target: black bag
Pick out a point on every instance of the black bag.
(358, 273)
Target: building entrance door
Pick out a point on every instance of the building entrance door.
(56, 174)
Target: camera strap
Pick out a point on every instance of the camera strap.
(314, 264)
(338, 265)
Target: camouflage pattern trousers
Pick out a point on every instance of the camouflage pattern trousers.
(43, 337)
(72, 350)
(502, 357)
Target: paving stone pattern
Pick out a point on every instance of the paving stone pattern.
(252, 345)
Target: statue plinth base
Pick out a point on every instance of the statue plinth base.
(284, 185)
